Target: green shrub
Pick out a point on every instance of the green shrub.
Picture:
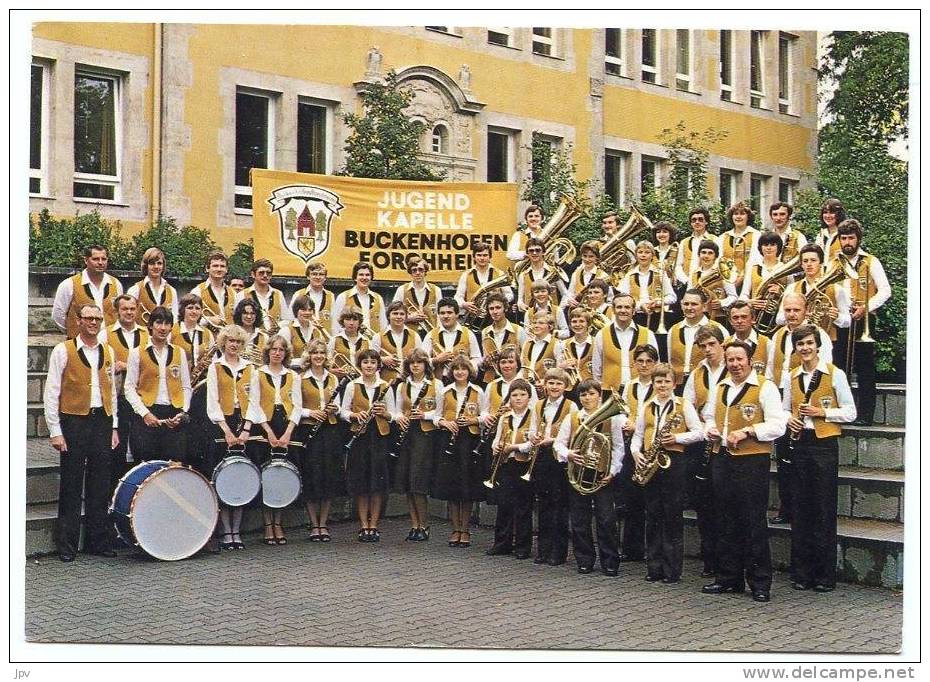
(240, 260)
(60, 242)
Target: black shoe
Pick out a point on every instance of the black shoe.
(424, 534)
(521, 555)
(497, 551)
(629, 557)
(719, 588)
(411, 536)
(555, 562)
(539, 560)
(671, 581)
(823, 588)
(799, 585)
(610, 572)
(374, 535)
(66, 557)
(652, 578)
(107, 553)
(780, 520)
(761, 596)
(862, 422)
(584, 570)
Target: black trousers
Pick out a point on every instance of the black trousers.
(784, 477)
(813, 531)
(863, 365)
(665, 524)
(158, 442)
(551, 486)
(630, 506)
(513, 527)
(118, 463)
(741, 493)
(601, 506)
(700, 487)
(85, 467)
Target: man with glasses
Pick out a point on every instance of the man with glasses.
(81, 413)
(323, 299)
(419, 297)
(91, 286)
(699, 219)
(270, 299)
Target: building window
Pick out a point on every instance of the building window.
(254, 142)
(543, 41)
(544, 148)
(97, 136)
(439, 141)
(312, 144)
(758, 192)
(650, 174)
(501, 35)
(787, 190)
(38, 130)
(613, 51)
(615, 176)
(500, 153)
(650, 58)
(756, 81)
(726, 65)
(728, 184)
(786, 45)
(442, 29)
(683, 59)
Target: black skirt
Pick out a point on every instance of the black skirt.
(413, 469)
(321, 462)
(460, 474)
(366, 465)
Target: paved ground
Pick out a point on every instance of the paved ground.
(401, 594)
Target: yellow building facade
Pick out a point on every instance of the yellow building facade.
(141, 120)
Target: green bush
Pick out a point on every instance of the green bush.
(240, 260)
(60, 242)
(186, 248)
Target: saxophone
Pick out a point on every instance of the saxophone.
(656, 457)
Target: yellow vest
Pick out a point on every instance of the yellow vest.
(360, 403)
(735, 418)
(676, 358)
(823, 392)
(649, 417)
(635, 395)
(580, 279)
(531, 313)
(760, 350)
(741, 255)
(147, 385)
(229, 387)
(121, 343)
(538, 365)
(472, 285)
(276, 302)
(826, 323)
(316, 396)
(81, 296)
(409, 342)
(611, 370)
(342, 345)
(864, 268)
(75, 381)
(653, 284)
(407, 398)
(461, 343)
(374, 312)
(298, 340)
(781, 340)
(702, 385)
(496, 395)
(326, 303)
(433, 294)
(210, 301)
(450, 404)
(147, 296)
(689, 244)
(560, 414)
(528, 277)
(185, 341)
(513, 431)
(583, 362)
(266, 392)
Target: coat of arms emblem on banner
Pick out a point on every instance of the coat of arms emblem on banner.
(305, 214)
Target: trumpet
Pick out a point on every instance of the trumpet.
(488, 430)
(341, 362)
(534, 455)
(324, 333)
(499, 456)
(426, 324)
(365, 332)
(211, 319)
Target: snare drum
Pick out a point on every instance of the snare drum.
(166, 508)
(237, 480)
(280, 483)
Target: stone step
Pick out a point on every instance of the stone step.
(873, 447)
(869, 552)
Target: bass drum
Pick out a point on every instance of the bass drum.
(165, 508)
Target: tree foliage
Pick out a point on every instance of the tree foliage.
(384, 142)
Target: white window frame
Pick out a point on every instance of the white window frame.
(41, 173)
(726, 89)
(658, 174)
(246, 190)
(792, 186)
(656, 69)
(442, 137)
(684, 77)
(757, 97)
(784, 103)
(502, 30)
(623, 159)
(538, 39)
(764, 195)
(330, 108)
(617, 61)
(731, 177)
(114, 181)
(509, 166)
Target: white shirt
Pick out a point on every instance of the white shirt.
(515, 249)
(387, 397)
(320, 381)
(842, 302)
(843, 413)
(214, 411)
(136, 288)
(56, 367)
(877, 275)
(505, 393)
(264, 300)
(560, 446)
(366, 300)
(416, 387)
(694, 434)
(451, 392)
(645, 291)
(515, 424)
(626, 338)
(774, 421)
(694, 260)
(255, 413)
(447, 340)
(65, 293)
(825, 353)
(162, 397)
(483, 278)
(713, 376)
(691, 331)
(746, 292)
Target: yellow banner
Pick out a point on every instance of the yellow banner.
(301, 217)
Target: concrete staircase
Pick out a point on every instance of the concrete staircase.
(871, 486)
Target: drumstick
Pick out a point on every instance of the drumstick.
(261, 439)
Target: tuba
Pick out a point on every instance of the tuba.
(477, 321)
(717, 276)
(615, 257)
(594, 446)
(818, 303)
(559, 250)
(765, 323)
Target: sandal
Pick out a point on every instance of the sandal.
(227, 544)
(279, 534)
(314, 535)
(453, 542)
(424, 533)
(269, 540)
(466, 539)
(238, 544)
(363, 535)
(374, 534)
(324, 534)
(412, 535)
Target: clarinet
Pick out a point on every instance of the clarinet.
(450, 448)
(404, 433)
(795, 436)
(489, 431)
(363, 426)
(314, 429)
